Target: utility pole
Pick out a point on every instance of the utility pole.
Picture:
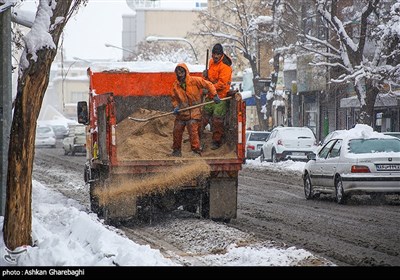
(5, 97)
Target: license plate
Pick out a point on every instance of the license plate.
(388, 167)
(297, 154)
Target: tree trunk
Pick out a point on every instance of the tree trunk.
(367, 109)
(272, 88)
(32, 85)
(257, 95)
(257, 92)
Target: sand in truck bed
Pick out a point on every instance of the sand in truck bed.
(153, 139)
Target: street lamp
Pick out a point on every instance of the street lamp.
(81, 59)
(112, 46)
(63, 77)
(151, 39)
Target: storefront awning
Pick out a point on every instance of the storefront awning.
(382, 100)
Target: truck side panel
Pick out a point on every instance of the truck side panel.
(134, 84)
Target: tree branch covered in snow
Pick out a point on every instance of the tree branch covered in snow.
(363, 43)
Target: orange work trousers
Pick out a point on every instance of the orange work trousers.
(193, 127)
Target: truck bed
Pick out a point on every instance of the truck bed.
(153, 140)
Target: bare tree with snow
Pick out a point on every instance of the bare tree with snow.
(242, 24)
(167, 51)
(363, 43)
(40, 49)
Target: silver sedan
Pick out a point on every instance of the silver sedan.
(350, 164)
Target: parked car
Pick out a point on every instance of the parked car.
(75, 142)
(60, 130)
(285, 143)
(328, 137)
(59, 126)
(331, 135)
(393, 133)
(254, 142)
(354, 163)
(45, 136)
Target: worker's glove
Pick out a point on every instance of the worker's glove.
(176, 110)
(205, 74)
(216, 99)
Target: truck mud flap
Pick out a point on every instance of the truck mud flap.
(125, 209)
(223, 198)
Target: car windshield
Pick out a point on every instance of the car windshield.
(258, 136)
(365, 146)
(43, 130)
(79, 130)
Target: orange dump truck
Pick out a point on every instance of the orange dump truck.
(120, 150)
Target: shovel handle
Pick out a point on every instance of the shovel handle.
(180, 110)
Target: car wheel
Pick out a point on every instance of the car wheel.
(308, 188)
(273, 156)
(65, 152)
(340, 195)
(72, 151)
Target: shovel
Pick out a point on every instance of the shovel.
(181, 110)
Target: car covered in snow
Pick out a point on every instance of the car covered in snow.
(393, 133)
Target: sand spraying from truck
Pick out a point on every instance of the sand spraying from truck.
(159, 183)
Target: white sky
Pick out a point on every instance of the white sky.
(65, 235)
(98, 23)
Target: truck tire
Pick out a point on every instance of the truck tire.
(205, 204)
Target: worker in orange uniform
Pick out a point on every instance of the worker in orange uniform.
(187, 91)
(220, 74)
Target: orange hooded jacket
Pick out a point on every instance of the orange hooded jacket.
(220, 74)
(190, 96)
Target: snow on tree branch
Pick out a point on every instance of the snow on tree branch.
(39, 36)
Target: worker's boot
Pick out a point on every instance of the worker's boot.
(176, 153)
(196, 153)
(218, 132)
(215, 145)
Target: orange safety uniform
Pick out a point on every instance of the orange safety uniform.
(185, 95)
(220, 74)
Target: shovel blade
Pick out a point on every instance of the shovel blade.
(139, 120)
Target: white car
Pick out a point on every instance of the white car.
(45, 136)
(254, 143)
(285, 143)
(357, 162)
(75, 142)
(394, 134)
